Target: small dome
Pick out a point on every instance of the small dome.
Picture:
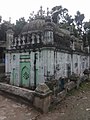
(34, 25)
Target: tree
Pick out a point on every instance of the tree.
(58, 13)
(87, 26)
(68, 19)
(19, 25)
(86, 36)
(79, 21)
(31, 17)
(3, 28)
(0, 19)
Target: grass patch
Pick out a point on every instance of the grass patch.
(72, 92)
(85, 86)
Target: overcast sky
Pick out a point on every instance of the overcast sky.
(22, 8)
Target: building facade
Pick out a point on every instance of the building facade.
(43, 51)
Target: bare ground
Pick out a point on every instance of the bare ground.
(76, 106)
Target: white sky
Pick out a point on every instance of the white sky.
(22, 8)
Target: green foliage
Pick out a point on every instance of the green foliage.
(60, 16)
(85, 86)
(87, 26)
(79, 22)
(58, 13)
(79, 19)
(68, 19)
(3, 28)
(0, 19)
(31, 17)
(6, 24)
(86, 36)
(19, 25)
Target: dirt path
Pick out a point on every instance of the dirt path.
(12, 110)
(76, 106)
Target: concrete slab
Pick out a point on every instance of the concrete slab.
(22, 92)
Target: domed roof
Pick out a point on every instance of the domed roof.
(41, 25)
(34, 25)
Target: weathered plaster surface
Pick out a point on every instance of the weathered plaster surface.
(50, 64)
